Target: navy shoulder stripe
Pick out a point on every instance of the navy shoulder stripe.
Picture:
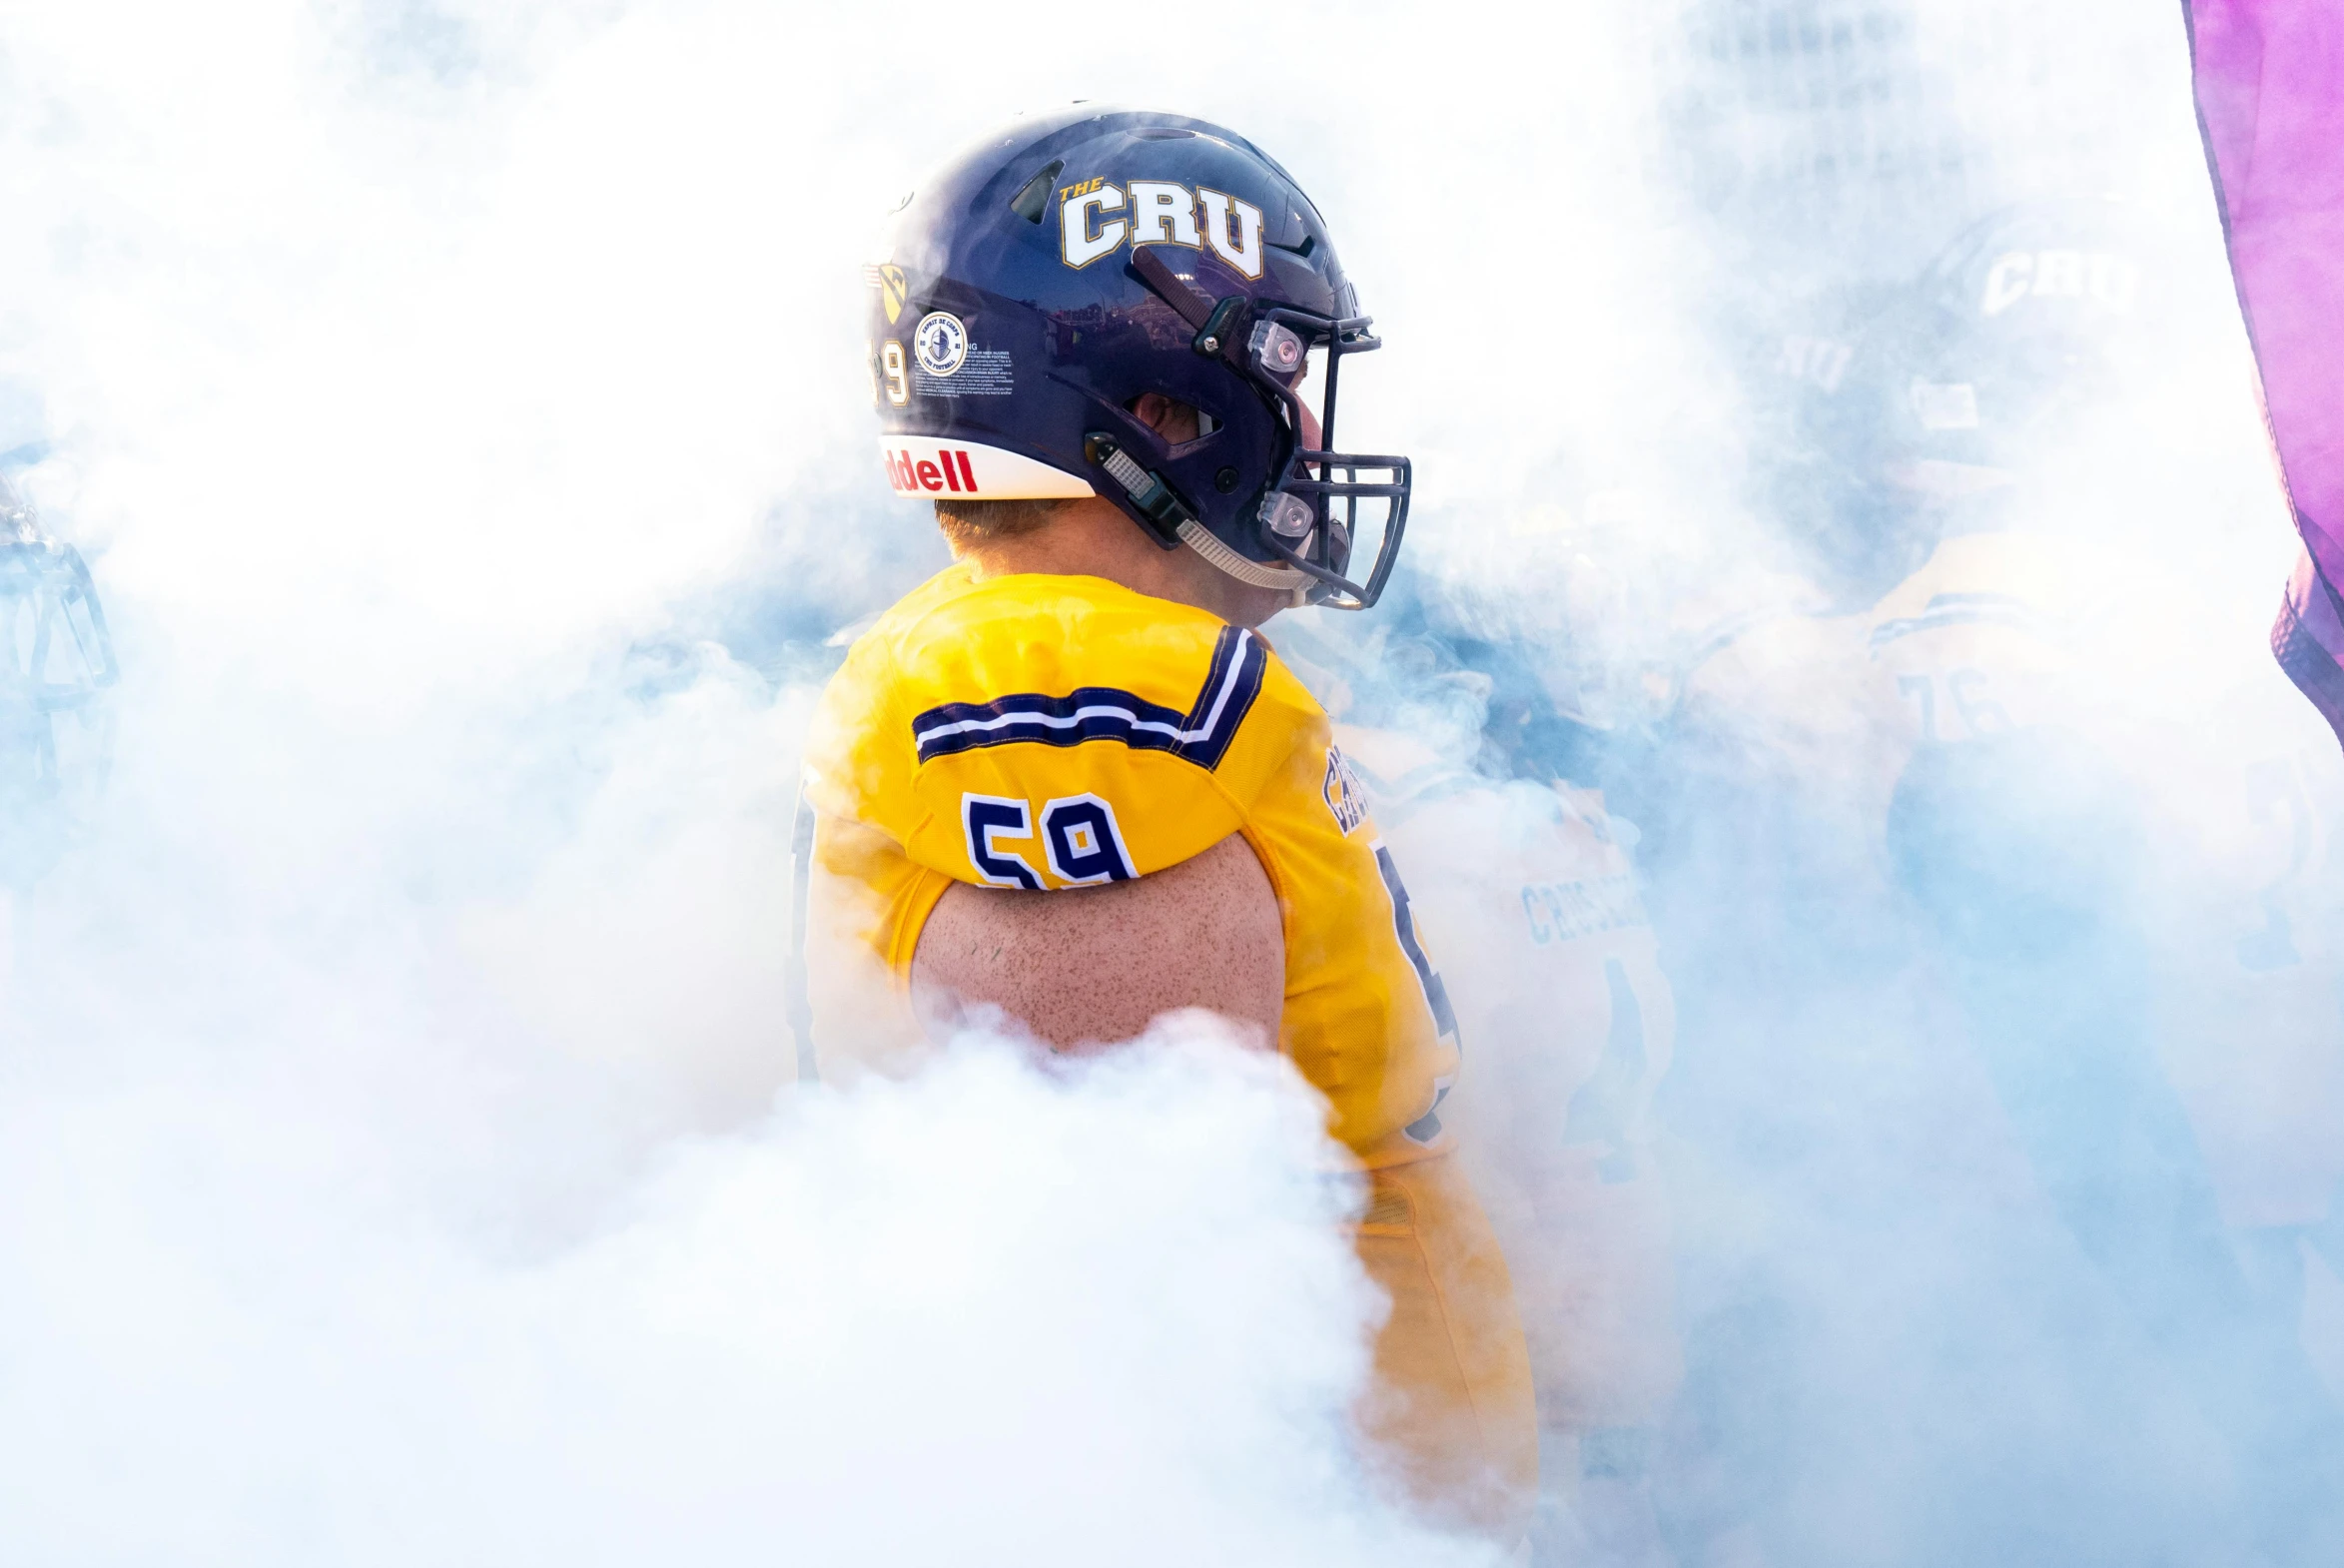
(1202, 735)
(1967, 609)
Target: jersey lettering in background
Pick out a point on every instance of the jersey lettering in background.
(1567, 910)
(1558, 981)
(1971, 644)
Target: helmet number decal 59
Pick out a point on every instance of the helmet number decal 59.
(1080, 841)
(891, 367)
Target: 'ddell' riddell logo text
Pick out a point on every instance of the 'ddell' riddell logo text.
(918, 473)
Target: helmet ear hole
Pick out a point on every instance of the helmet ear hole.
(1176, 423)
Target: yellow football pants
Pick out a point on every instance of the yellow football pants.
(1451, 1413)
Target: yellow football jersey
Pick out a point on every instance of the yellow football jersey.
(1044, 732)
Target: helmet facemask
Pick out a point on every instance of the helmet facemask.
(1308, 516)
(1300, 517)
(56, 661)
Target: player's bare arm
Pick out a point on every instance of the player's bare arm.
(1098, 964)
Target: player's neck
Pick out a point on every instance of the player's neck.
(1092, 539)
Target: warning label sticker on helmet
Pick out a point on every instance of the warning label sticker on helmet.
(924, 465)
(979, 373)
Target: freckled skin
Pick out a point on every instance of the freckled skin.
(1098, 964)
(1092, 539)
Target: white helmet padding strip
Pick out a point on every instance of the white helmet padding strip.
(925, 467)
(1254, 573)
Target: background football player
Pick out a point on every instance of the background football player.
(1481, 755)
(2025, 806)
(1068, 780)
(56, 663)
(2023, 811)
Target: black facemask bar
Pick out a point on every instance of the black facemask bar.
(47, 583)
(1271, 347)
(1300, 501)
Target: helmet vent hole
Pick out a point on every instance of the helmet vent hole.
(1028, 203)
(1161, 133)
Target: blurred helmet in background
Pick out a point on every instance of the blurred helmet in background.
(2034, 324)
(1063, 268)
(56, 663)
(2030, 339)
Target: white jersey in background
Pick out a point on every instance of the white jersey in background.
(1568, 1027)
(2242, 800)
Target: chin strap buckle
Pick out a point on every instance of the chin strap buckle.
(1155, 500)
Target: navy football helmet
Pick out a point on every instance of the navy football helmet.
(1063, 268)
(2035, 320)
(56, 660)
(2030, 327)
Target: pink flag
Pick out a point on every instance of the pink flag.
(2270, 101)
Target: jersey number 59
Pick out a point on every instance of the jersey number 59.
(1081, 842)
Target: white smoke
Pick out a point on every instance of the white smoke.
(989, 1314)
(403, 1160)
(397, 1143)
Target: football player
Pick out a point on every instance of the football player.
(56, 661)
(1478, 757)
(1997, 433)
(2018, 820)
(1069, 779)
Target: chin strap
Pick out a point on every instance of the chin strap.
(1169, 520)
(1253, 573)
